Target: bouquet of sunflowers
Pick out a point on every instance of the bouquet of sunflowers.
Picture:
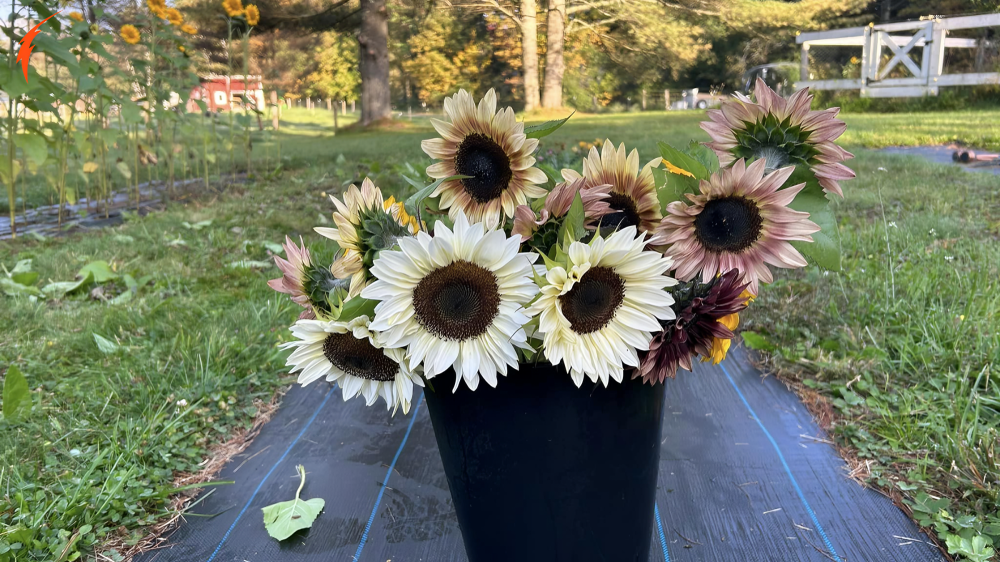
(609, 272)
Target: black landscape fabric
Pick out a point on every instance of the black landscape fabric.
(745, 475)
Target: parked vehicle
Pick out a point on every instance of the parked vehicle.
(779, 76)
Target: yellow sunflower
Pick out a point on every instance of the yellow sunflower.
(76, 16)
(233, 8)
(174, 16)
(130, 34)
(491, 148)
(158, 8)
(252, 14)
(633, 191)
(189, 29)
(720, 347)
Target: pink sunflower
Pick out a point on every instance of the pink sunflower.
(295, 272)
(783, 132)
(557, 204)
(740, 220)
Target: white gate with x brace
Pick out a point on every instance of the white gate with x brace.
(925, 77)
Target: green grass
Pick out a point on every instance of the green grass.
(905, 342)
(105, 436)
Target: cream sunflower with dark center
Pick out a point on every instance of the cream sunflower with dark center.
(603, 305)
(352, 355)
(632, 199)
(491, 148)
(782, 132)
(739, 220)
(366, 225)
(455, 300)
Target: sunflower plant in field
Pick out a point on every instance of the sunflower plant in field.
(606, 274)
(94, 101)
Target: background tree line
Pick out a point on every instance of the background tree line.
(589, 55)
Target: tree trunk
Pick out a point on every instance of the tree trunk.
(554, 66)
(373, 41)
(529, 53)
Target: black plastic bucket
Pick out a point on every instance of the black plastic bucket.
(543, 471)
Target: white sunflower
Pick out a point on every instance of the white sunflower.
(455, 300)
(352, 355)
(604, 305)
(489, 147)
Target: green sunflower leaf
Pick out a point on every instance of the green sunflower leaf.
(357, 307)
(12, 288)
(545, 129)
(16, 396)
(674, 187)
(412, 203)
(824, 250)
(680, 160)
(22, 266)
(753, 340)
(34, 146)
(284, 519)
(573, 224)
(26, 278)
(705, 155)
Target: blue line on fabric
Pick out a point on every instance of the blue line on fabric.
(268, 475)
(659, 528)
(385, 481)
(788, 470)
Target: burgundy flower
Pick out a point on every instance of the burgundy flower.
(699, 307)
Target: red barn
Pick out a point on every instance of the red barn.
(243, 91)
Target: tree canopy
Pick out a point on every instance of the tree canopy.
(608, 50)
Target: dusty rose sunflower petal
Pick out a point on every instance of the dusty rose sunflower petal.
(818, 129)
(748, 226)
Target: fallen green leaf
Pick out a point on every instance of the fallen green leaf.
(100, 270)
(105, 345)
(62, 288)
(12, 288)
(250, 264)
(196, 226)
(284, 519)
(16, 396)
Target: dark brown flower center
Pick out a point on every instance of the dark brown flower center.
(485, 161)
(593, 301)
(624, 213)
(359, 358)
(729, 225)
(458, 301)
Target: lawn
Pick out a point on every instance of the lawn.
(898, 351)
